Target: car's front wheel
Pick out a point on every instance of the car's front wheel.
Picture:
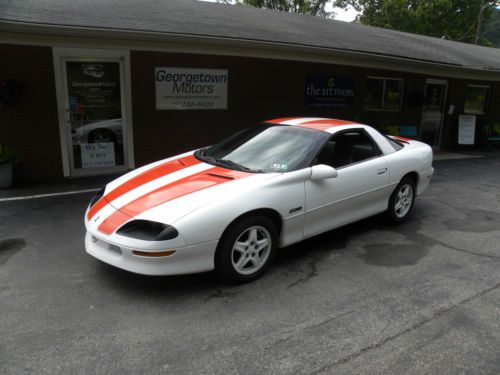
(246, 249)
(401, 201)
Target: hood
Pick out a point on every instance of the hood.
(166, 191)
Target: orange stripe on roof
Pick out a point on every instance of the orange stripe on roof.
(324, 124)
(198, 181)
(397, 137)
(141, 179)
(281, 120)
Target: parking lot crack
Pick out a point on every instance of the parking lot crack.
(311, 272)
(414, 327)
(468, 251)
(431, 241)
(319, 324)
(336, 317)
(222, 294)
(434, 241)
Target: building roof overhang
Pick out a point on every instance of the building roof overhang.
(276, 46)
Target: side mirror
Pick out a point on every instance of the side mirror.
(322, 172)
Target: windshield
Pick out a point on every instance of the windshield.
(266, 148)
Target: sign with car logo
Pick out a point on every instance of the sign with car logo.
(185, 89)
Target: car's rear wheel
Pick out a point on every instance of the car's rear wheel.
(246, 249)
(401, 201)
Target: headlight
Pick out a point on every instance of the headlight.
(96, 197)
(148, 230)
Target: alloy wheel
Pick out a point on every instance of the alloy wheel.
(251, 250)
(404, 200)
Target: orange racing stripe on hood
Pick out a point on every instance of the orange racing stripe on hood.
(143, 178)
(184, 186)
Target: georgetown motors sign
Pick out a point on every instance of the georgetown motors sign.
(183, 88)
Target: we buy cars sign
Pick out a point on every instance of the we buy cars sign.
(184, 88)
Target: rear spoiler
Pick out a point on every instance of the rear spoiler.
(400, 139)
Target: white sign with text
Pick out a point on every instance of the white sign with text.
(466, 129)
(98, 155)
(185, 89)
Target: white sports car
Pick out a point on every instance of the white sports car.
(229, 206)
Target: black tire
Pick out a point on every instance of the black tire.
(397, 214)
(101, 135)
(226, 255)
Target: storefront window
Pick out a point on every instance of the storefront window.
(476, 99)
(374, 94)
(383, 94)
(392, 95)
(95, 113)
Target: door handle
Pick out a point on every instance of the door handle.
(381, 171)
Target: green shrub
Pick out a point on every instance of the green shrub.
(390, 129)
(7, 155)
(495, 129)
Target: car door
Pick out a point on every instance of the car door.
(359, 190)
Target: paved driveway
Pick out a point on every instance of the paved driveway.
(421, 297)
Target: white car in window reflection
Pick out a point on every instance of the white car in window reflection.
(228, 207)
(99, 132)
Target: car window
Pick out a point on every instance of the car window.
(347, 148)
(266, 148)
(395, 144)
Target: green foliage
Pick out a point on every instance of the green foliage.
(448, 19)
(312, 7)
(389, 129)
(495, 129)
(492, 28)
(7, 155)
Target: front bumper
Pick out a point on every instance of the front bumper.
(186, 259)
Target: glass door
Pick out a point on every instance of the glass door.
(95, 125)
(433, 112)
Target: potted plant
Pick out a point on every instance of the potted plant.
(7, 159)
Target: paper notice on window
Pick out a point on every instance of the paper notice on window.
(98, 155)
(466, 129)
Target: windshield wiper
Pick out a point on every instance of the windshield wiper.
(230, 163)
(224, 162)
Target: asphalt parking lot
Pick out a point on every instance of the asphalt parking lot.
(418, 298)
